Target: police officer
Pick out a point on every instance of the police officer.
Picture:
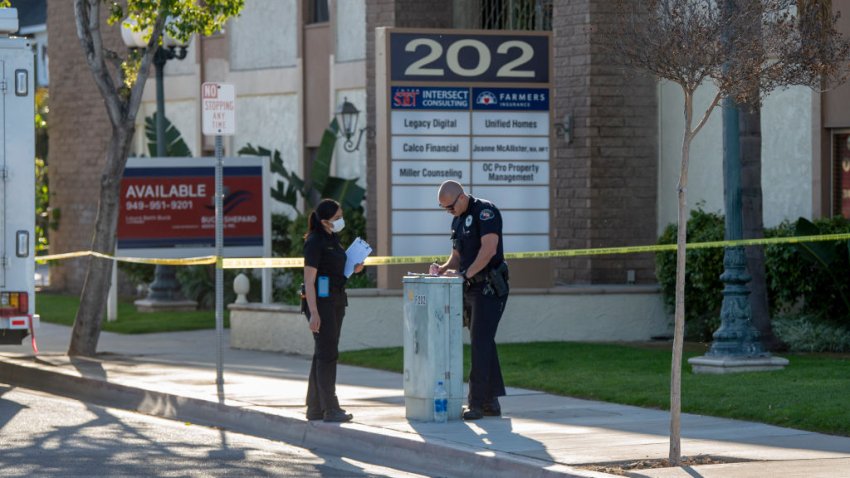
(478, 257)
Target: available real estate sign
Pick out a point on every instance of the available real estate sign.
(167, 207)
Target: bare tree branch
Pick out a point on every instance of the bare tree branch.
(707, 113)
(88, 31)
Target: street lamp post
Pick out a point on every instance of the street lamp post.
(736, 345)
(165, 287)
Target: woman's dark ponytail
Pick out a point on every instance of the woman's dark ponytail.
(326, 209)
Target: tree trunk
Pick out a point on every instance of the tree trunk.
(87, 323)
(675, 455)
(751, 199)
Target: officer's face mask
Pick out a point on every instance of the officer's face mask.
(338, 225)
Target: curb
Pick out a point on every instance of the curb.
(402, 451)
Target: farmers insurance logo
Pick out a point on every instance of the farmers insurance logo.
(486, 98)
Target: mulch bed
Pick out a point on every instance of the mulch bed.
(623, 468)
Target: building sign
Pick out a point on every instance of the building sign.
(428, 56)
(489, 130)
(167, 207)
(842, 168)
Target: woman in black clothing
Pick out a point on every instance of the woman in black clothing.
(324, 287)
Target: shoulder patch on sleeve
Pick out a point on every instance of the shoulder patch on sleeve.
(486, 214)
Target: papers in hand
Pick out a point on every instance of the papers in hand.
(357, 252)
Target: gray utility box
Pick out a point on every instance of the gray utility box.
(433, 347)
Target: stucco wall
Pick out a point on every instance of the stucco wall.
(786, 172)
(350, 30)
(374, 318)
(270, 121)
(264, 35)
(786, 154)
(183, 115)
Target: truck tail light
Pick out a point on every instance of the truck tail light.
(14, 303)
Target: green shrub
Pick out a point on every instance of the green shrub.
(702, 276)
(813, 277)
(809, 334)
(137, 273)
(281, 239)
(198, 284)
(809, 279)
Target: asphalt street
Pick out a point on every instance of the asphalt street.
(47, 435)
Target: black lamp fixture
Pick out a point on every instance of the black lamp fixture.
(348, 115)
(565, 129)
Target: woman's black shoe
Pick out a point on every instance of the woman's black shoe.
(337, 416)
(473, 414)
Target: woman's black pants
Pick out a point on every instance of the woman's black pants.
(321, 387)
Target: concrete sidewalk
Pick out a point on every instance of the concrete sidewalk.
(173, 375)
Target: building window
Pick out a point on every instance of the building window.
(516, 15)
(318, 11)
(841, 173)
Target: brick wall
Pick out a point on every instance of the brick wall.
(79, 133)
(605, 182)
(624, 160)
(571, 163)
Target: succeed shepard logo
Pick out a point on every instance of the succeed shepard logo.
(486, 98)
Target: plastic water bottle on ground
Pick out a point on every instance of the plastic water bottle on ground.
(441, 403)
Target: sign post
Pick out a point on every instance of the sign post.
(219, 118)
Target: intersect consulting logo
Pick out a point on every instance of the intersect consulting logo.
(405, 97)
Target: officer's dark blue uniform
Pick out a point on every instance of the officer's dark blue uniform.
(485, 376)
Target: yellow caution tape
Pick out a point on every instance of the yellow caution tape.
(184, 261)
(293, 262)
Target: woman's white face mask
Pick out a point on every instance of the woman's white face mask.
(338, 225)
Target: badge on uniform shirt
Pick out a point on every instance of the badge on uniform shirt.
(468, 221)
(486, 215)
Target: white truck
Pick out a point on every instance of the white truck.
(17, 184)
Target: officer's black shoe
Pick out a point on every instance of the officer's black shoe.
(473, 414)
(337, 416)
(315, 414)
(492, 409)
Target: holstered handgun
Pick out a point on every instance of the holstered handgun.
(498, 279)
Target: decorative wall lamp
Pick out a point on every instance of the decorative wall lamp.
(565, 129)
(348, 115)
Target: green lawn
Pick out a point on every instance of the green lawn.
(812, 393)
(61, 309)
